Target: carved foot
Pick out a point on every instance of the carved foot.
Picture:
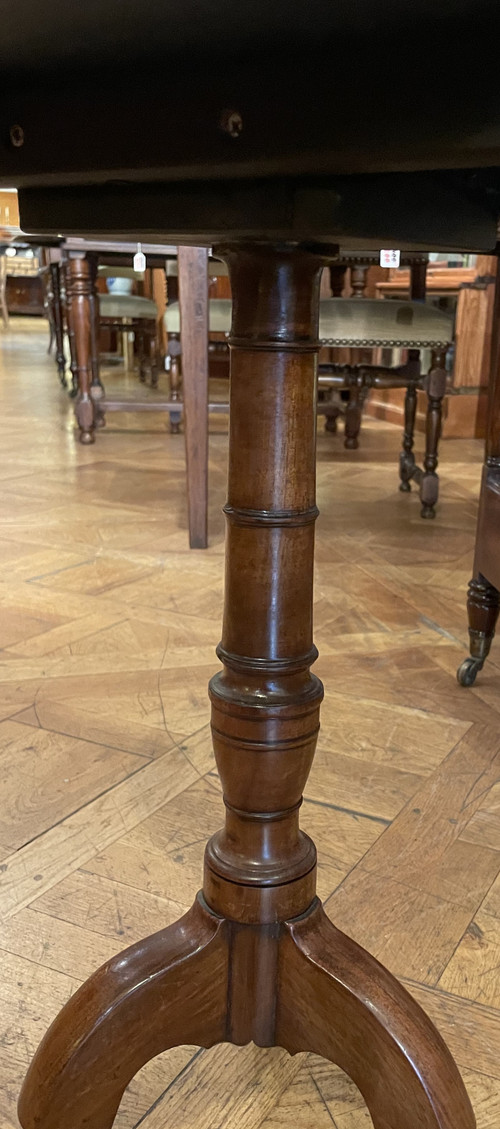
(166, 991)
(331, 418)
(429, 491)
(337, 1001)
(405, 487)
(175, 423)
(483, 606)
(351, 444)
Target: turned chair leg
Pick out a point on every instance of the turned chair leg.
(407, 458)
(435, 386)
(97, 392)
(73, 388)
(175, 371)
(483, 606)
(81, 316)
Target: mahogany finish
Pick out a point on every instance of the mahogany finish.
(81, 315)
(57, 318)
(256, 958)
(483, 598)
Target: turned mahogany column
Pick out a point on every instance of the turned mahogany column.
(256, 958)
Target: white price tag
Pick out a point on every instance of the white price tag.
(139, 260)
(390, 258)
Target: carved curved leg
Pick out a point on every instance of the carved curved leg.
(166, 991)
(483, 605)
(435, 386)
(337, 1001)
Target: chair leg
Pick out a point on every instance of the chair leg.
(153, 357)
(483, 606)
(337, 1001)
(174, 352)
(97, 392)
(141, 351)
(353, 415)
(407, 458)
(79, 294)
(435, 386)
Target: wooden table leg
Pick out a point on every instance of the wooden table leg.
(97, 392)
(256, 958)
(57, 314)
(80, 290)
(193, 300)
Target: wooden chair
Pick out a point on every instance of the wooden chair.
(132, 313)
(373, 324)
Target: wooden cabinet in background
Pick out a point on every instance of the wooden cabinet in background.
(24, 294)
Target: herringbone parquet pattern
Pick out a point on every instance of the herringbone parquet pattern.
(108, 785)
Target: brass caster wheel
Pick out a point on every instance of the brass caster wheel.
(468, 671)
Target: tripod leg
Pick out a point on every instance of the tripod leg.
(166, 991)
(337, 1001)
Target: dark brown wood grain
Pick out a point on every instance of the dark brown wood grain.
(256, 959)
(79, 289)
(483, 597)
(57, 316)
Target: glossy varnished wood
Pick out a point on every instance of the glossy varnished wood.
(108, 625)
(483, 599)
(259, 889)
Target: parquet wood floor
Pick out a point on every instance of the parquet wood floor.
(108, 785)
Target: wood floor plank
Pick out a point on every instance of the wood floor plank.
(46, 776)
(108, 625)
(28, 872)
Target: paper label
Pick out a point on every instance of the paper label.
(390, 258)
(139, 260)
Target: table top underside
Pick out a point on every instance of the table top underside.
(351, 123)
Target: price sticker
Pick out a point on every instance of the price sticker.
(139, 260)
(390, 258)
